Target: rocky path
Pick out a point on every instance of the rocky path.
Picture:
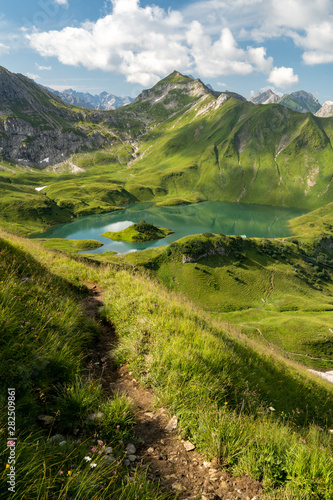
(172, 462)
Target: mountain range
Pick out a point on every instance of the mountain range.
(104, 100)
(178, 142)
(301, 101)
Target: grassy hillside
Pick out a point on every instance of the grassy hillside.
(45, 343)
(257, 413)
(277, 291)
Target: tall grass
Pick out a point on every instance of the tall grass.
(44, 344)
(259, 414)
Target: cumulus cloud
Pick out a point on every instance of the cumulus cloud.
(224, 57)
(145, 43)
(282, 77)
(317, 42)
(141, 43)
(62, 2)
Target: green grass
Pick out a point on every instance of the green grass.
(70, 246)
(218, 382)
(142, 231)
(44, 344)
(264, 286)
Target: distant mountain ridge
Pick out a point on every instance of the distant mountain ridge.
(267, 97)
(300, 101)
(104, 100)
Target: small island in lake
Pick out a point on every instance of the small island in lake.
(144, 231)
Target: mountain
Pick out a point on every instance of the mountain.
(326, 110)
(301, 101)
(267, 97)
(85, 100)
(177, 142)
(36, 127)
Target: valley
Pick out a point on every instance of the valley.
(221, 319)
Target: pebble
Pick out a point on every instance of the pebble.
(63, 443)
(56, 437)
(132, 458)
(172, 425)
(130, 449)
(108, 450)
(188, 446)
(150, 451)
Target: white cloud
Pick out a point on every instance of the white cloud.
(43, 68)
(145, 43)
(33, 76)
(62, 2)
(282, 77)
(317, 42)
(4, 49)
(141, 43)
(299, 14)
(223, 57)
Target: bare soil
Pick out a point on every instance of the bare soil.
(181, 473)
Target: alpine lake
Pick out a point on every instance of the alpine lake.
(246, 220)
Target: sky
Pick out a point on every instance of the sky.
(123, 46)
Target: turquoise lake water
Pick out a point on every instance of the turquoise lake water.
(210, 216)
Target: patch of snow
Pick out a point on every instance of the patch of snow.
(159, 98)
(326, 375)
(40, 188)
(45, 159)
(21, 159)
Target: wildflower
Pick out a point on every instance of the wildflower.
(94, 449)
(87, 459)
(11, 443)
(93, 465)
(7, 466)
(61, 473)
(69, 473)
(100, 443)
(68, 389)
(226, 403)
(118, 426)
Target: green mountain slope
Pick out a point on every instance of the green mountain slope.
(257, 414)
(301, 101)
(178, 142)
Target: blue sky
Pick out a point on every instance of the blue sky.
(123, 46)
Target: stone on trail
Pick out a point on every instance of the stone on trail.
(132, 458)
(172, 425)
(188, 446)
(130, 449)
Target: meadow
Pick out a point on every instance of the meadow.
(236, 399)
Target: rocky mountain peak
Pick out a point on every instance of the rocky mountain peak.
(326, 110)
(267, 97)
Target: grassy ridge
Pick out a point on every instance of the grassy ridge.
(220, 384)
(44, 345)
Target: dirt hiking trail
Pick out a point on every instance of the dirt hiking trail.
(172, 462)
